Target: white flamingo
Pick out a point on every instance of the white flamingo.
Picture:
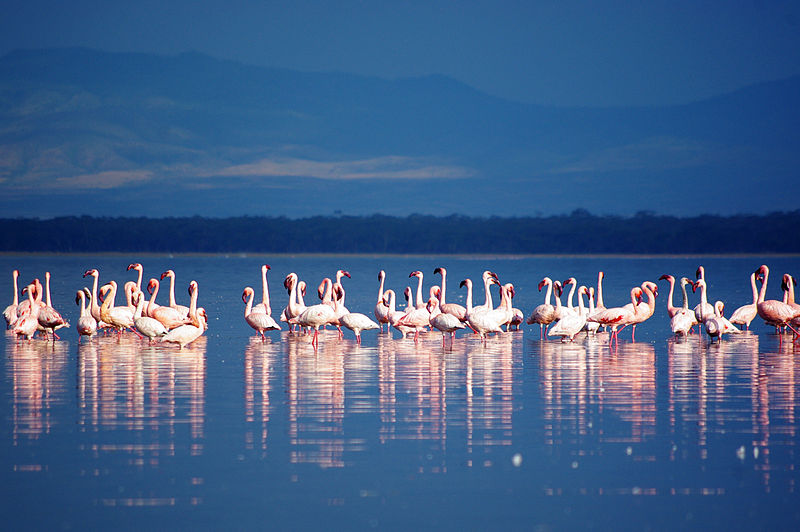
(571, 323)
(443, 321)
(87, 325)
(381, 310)
(182, 309)
(357, 322)
(120, 318)
(49, 318)
(544, 314)
(168, 316)
(10, 312)
(188, 333)
(258, 320)
(27, 323)
(149, 327)
(684, 319)
(459, 311)
(315, 316)
(481, 320)
(747, 313)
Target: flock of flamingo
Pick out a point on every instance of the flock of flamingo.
(181, 325)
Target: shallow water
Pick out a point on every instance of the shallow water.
(518, 433)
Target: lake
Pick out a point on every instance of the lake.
(513, 433)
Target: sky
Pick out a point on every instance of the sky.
(564, 53)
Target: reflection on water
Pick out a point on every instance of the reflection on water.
(259, 358)
(37, 371)
(589, 390)
(141, 404)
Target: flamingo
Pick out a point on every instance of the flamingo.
(671, 309)
(168, 316)
(481, 320)
(645, 309)
(717, 325)
(296, 304)
(701, 311)
(591, 327)
(258, 320)
(599, 305)
(773, 311)
(381, 311)
(617, 316)
(139, 268)
(183, 310)
(394, 314)
(264, 306)
(87, 325)
(517, 317)
(94, 307)
(416, 317)
(150, 327)
(119, 318)
(28, 321)
(49, 318)
(338, 300)
(318, 315)
(684, 319)
(571, 323)
(746, 313)
(459, 311)
(357, 322)
(443, 321)
(544, 314)
(10, 312)
(189, 332)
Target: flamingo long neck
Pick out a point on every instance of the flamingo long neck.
(469, 297)
(558, 301)
(193, 308)
(47, 287)
(139, 279)
(249, 307)
(139, 305)
(487, 286)
(300, 289)
(93, 306)
(600, 290)
(704, 295)
(651, 300)
(569, 297)
(581, 308)
(391, 301)
(108, 304)
(763, 293)
(548, 294)
(591, 301)
(634, 293)
(686, 296)
(293, 305)
(265, 291)
(419, 303)
(444, 286)
(15, 275)
(671, 280)
(753, 287)
(382, 277)
(172, 302)
(151, 306)
(789, 290)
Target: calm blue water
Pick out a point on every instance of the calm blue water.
(518, 433)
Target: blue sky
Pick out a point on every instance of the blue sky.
(547, 52)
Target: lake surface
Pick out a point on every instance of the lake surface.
(513, 433)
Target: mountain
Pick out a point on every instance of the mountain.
(88, 132)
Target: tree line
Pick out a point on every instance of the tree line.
(576, 233)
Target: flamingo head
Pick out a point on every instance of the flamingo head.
(192, 287)
(134, 266)
(465, 282)
(557, 288)
(342, 273)
(584, 291)
(302, 287)
(90, 272)
(571, 280)
(720, 306)
(510, 289)
(440, 271)
(80, 295)
(491, 274)
(381, 275)
(652, 286)
(415, 273)
(667, 277)
(321, 288)
(407, 293)
(151, 285)
(542, 283)
(338, 291)
(246, 293)
(202, 317)
(287, 282)
(265, 268)
(700, 273)
(698, 283)
(166, 274)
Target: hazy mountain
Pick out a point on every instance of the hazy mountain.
(83, 131)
